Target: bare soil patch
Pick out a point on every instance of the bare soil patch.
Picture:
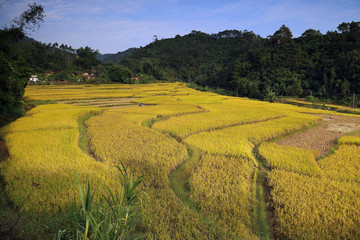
(104, 103)
(97, 101)
(323, 137)
(123, 106)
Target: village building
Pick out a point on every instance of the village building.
(86, 76)
(34, 78)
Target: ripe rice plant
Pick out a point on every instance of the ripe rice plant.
(46, 117)
(227, 113)
(116, 135)
(343, 164)
(218, 116)
(163, 110)
(290, 159)
(43, 161)
(239, 140)
(315, 208)
(58, 93)
(349, 140)
(221, 188)
(132, 142)
(44, 157)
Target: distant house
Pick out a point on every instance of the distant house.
(34, 79)
(86, 76)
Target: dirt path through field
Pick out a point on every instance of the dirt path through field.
(323, 137)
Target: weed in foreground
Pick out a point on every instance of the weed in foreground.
(112, 217)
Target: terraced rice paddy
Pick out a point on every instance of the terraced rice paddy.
(245, 160)
(102, 102)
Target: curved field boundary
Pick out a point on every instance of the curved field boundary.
(179, 183)
(96, 100)
(179, 178)
(109, 102)
(149, 123)
(233, 125)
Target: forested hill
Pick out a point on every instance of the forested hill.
(115, 57)
(324, 65)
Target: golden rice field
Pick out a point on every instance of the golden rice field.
(291, 159)
(315, 199)
(315, 208)
(44, 157)
(224, 180)
(240, 140)
(332, 106)
(343, 164)
(311, 198)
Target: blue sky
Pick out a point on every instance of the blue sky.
(111, 26)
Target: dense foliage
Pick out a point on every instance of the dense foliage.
(14, 70)
(110, 57)
(323, 65)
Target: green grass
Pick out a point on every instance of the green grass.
(83, 141)
(150, 122)
(179, 183)
(261, 199)
(29, 104)
(261, 162)
(262, 227)
(179, 179)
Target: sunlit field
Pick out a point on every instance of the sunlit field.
(154, 128)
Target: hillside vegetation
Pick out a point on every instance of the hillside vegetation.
(245, 64)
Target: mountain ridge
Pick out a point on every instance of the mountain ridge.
(115, 57)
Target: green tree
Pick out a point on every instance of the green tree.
(345, 87)
(30, 19)
(118, 73)
(311, 34)
(86, 58)
(13, 79)
(245, 64)
(270, 95)
(283, 35)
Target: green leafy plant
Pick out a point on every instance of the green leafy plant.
(270, 95)
(109, 218)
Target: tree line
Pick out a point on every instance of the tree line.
(245, 64)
